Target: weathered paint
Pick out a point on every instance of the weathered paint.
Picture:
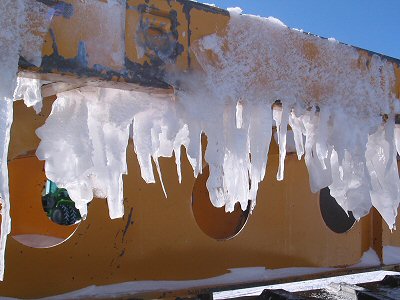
(163, 47)
(66, 54)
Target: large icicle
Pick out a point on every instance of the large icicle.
(92, 129)
(18, 36)
(10, 14)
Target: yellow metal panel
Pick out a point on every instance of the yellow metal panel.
(159, 239)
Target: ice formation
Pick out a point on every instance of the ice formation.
(9, 50)
(330, 93)
(332, 96)
(29, 90)
(15, 40)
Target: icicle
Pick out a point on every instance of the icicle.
(260, 133)
(397, 138)
(298, 129)
(385, 193)
(239, 114)
(281, 125)
(6, 114)
(142, 145)
(11, 16)
(320, 176)
(322, 137)
(182, 138)
(235, 176)
(156, 162)
(94, 138)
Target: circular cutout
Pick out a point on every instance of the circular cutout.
(333, 214)
(213, 221)
(31, 225)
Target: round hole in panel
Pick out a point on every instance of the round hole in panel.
(213, 221)
(31, 224)
(333, 214)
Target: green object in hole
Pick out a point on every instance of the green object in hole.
(58, 205)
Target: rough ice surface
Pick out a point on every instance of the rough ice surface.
(37, 17)
(104, 34)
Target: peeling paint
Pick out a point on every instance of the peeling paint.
(145, 75)
(162, 47)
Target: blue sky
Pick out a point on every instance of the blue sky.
(370, 24)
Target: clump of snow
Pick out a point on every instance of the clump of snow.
(235, 10)
(29, 90)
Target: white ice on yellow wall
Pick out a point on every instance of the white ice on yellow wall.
(15, 38)
(9, 55)
(330, 93)
(332, 97)
(91, 127)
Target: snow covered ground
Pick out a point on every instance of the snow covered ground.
(316, 284)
